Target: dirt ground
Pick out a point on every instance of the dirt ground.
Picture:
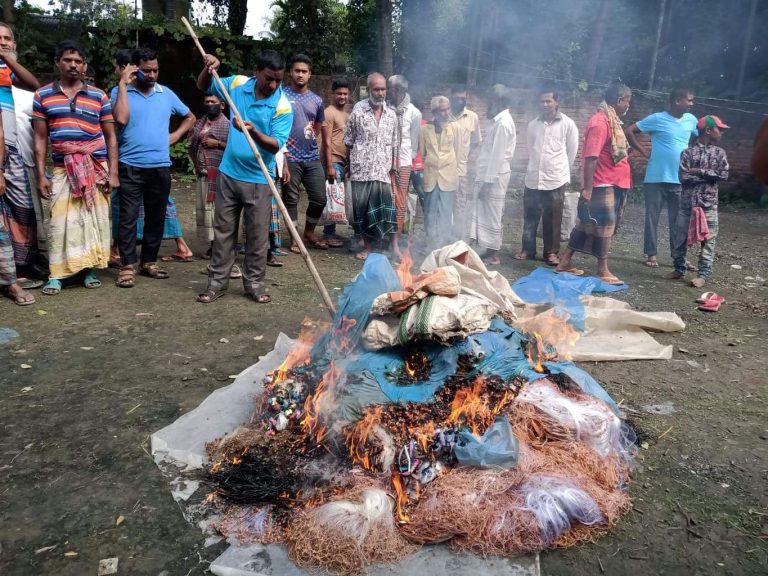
(94, 373)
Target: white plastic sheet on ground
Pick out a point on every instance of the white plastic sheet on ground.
(182, 444)
(613, 331)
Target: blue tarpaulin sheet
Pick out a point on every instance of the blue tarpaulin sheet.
(499, 351)
(544, 286)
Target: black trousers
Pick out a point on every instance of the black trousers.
(151, 186)
(312, 175)
(547, 206)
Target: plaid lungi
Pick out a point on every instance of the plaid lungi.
(373, 210)
(7, 266)
(18, 210)
(400, 191)
(607, 208)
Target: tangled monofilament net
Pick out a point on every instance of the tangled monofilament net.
(478, 510)
(576, 417)
(250, 525)
(345, 536)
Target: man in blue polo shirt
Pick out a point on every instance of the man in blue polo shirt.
(242, 186)
(670, 133)
(143, 108)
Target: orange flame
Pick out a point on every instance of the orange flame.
(537, 345)
(550, 327)
(424, 435)
(358, 435)
(404, 269)
(314, 421)
(299, 354)
(472, 405)
(402, 498)
(415, 363)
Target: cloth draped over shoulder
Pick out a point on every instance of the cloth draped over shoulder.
(84, 172)
(619, 145)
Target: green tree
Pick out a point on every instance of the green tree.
(318, 28)
(229, 14)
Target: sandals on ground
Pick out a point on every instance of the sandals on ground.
(272, 261)
(333, 242)
(126, 277)
(152, 270)
(574, 271)
(52, 287)
(210, 295)
(551, 260)
(22, 298)
(178, 258)
(258, 294)
(612, 280)
(91, 281)
(710, 297)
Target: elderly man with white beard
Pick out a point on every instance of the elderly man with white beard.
(371, 136)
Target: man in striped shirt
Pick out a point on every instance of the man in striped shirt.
(78, 120)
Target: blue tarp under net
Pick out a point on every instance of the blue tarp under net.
(563, 291)
(499, 351)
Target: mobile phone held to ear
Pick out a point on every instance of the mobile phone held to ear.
(140, 75)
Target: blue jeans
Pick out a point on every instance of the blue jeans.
(657, 195)
(330, 229)
(680, 251)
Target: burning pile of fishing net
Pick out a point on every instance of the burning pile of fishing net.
(481, 437)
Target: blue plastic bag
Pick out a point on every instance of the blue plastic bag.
(496, 449)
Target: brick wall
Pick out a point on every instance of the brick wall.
(580, 107)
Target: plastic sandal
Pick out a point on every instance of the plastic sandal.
(22, 298)
(710, 306)
(91, 281)
(126, 277)
(152, 270)
(574, 271)
(710, 296)
(210, 295)
(52, 287)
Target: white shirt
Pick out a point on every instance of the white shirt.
(552, 148)
(409, 142)
(279, 160)
(497, 149)
(25, 139)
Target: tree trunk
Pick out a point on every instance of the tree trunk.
(384, 22)
(598, 36)
(746, 50)
(655, 56)
(236, 16)
(9, 15)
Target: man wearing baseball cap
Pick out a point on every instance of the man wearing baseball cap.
(702, 166)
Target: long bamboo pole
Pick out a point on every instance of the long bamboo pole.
(283, 210)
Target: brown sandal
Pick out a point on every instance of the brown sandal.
(126, 277)
(152, 270)
(210, 295)
(259, 295)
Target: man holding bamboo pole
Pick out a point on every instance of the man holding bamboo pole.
(242, 186)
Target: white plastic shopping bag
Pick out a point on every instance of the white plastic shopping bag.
(335, 205)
